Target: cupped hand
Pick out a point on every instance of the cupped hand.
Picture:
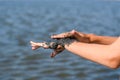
(56, 51)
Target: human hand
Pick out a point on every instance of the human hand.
(56, 50)
(73, 34)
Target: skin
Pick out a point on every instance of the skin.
(87, 38)
(104, 50)
(56, 51)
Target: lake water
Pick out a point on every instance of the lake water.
(25, 20)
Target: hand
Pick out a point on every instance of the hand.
(74, 34)
(56, 51)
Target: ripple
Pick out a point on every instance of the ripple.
(21, 22)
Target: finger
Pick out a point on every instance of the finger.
(58, 36)
(32, 43)
(46, 47)
(62, 35)
(33, 48)
(53, 54)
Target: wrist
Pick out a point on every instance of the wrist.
(92, 38)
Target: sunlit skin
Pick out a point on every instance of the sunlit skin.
(36, 45)
(56, 51)
(104, 50)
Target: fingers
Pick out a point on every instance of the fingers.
(34, 45)
(62, 35)
(34, 48)
(72, 33)
(31, 42)
(75, 34)
(45, 46)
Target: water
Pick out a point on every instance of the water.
(23, 20)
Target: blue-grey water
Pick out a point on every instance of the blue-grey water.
(25, 20)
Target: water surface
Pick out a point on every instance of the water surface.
(22, 21)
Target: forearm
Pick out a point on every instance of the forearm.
(101, 39)
(93, 52)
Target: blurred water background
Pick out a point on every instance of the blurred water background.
(25, 20)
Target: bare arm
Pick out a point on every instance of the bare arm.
(108, 55)
(102, 54)
(105, 52)
(101, 39)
